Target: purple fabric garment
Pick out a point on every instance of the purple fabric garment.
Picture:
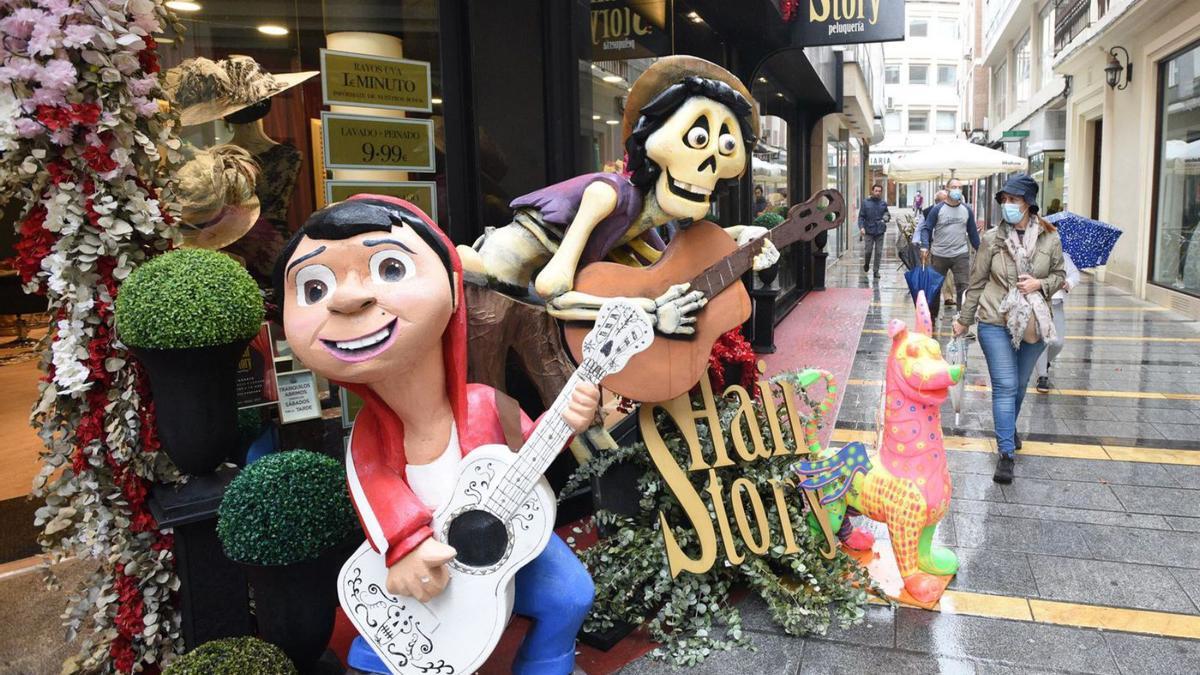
(559, 203)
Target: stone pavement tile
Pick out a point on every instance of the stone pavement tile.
(1061, 493)
(1183, 523)
(1166, 501)
(1186, 476)
(878, 628)
(976, 486)
(1131, 544)
(1190, 581)
(1114, 429)
(1069, 515)
(1017, 643)
(1022, 535)
(986, 570)
(1178, 432)
(773, 654)
(1109, 583)
(971, 462)
(1154, 415)
(1081, 412)
(987, 668)
(828, 658)
(1122, 473)
(1151, 654)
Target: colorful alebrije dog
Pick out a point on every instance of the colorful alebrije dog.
(907, 486)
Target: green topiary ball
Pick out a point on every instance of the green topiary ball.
(768, 219)
(188, 298)
(233, 656)
(286, 508)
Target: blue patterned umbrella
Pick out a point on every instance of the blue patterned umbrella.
(1087, 241)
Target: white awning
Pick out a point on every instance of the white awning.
(955, 159)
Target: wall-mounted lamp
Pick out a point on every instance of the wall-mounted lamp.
(1112, 72)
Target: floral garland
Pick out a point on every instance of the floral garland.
(85, 146)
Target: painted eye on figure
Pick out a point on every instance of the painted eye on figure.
(697, 136)
(390, 266)
(727, 144)
(314, 284)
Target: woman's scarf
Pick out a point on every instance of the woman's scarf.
(1018, 308)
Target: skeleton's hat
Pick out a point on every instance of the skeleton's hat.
(670, 70)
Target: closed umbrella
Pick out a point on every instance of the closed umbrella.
(956, 159)
(956, 355)
(1087, 241)
(924, 278)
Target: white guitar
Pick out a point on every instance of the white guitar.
(499, 518)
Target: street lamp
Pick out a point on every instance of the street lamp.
(1112, 72)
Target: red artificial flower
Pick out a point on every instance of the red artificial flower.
(148, 57)
(98, 159)
(87, 114)
(34, 244)
(53, 117)
(60, 171)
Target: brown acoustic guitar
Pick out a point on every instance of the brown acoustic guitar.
(704, 255)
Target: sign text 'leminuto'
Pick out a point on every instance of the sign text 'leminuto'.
(741, 498)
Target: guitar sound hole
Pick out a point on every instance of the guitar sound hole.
(479, 537)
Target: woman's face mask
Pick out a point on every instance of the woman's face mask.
(1013, 213)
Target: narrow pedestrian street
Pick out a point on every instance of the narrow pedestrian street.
(1090, 561)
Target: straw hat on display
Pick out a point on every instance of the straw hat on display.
(670, 70)
(215, 191)
(204, 90)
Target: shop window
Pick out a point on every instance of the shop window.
(946, 120)
(918, 27)
(891, 121)
(891, 74)
(918, 121)
(946, 75)
(1177, 214)
(918, 74)
(1049, 170)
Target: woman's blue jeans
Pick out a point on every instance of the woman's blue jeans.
(1009, 370)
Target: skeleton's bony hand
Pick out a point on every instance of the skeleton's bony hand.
(673, 310)
(769, 255)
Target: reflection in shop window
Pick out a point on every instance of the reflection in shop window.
(1177, 242)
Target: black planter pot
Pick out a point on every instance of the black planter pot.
(295, 604)
(195, 402)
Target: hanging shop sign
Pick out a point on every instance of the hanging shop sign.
(365, 142)
(629, 29)
(367, 81)
(422, 194)
(297, 396)
(714, 514)
(839, 22)
(255, 380)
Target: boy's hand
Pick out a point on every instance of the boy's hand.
(581, 409)
(422, 574)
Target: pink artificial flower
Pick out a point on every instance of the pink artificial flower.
(142, 86)
(28, 128)
(19, 25)
(19, 68)
(78, 35)
(44, 96)
(146, 108)
(58, 74)
(63, 137)
(58, 7)
(45, 39)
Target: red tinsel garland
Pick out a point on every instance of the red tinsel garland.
(731, 350)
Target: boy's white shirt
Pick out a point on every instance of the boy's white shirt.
(433, 483)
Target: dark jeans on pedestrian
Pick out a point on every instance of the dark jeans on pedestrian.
(1009, 370)
(874, 249)
(960, 267)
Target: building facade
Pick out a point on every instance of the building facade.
(1133, 137)
(921, 90)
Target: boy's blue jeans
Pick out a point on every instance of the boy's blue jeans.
(1009, 370)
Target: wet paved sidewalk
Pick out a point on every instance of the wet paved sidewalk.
(1101, 527)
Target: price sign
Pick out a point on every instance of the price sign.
(368, 81)
(297, 396)
(423, 194)
(365, 142)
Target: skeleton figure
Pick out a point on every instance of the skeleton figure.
(689, 125)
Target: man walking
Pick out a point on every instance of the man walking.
(918, 202)
(948, 236)
(872, 225)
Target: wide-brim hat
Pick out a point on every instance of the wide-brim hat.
(203, 90)
(231, 223)
(1021, 185)
(671, 70)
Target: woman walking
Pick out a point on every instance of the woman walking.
(1018, 268)
(1053, 347)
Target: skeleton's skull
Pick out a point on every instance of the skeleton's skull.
(697, 146)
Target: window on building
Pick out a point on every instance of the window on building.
(918, 120)
(891, 121)
(1176, 234)
(944, 29)
(947, 120)
(1046, 48)
(1023, 69)
(999, 93)
(891, 74)
(918, 74)
(918, 27)
(946, 75)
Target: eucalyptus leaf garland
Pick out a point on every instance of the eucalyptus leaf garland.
(692, 615)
